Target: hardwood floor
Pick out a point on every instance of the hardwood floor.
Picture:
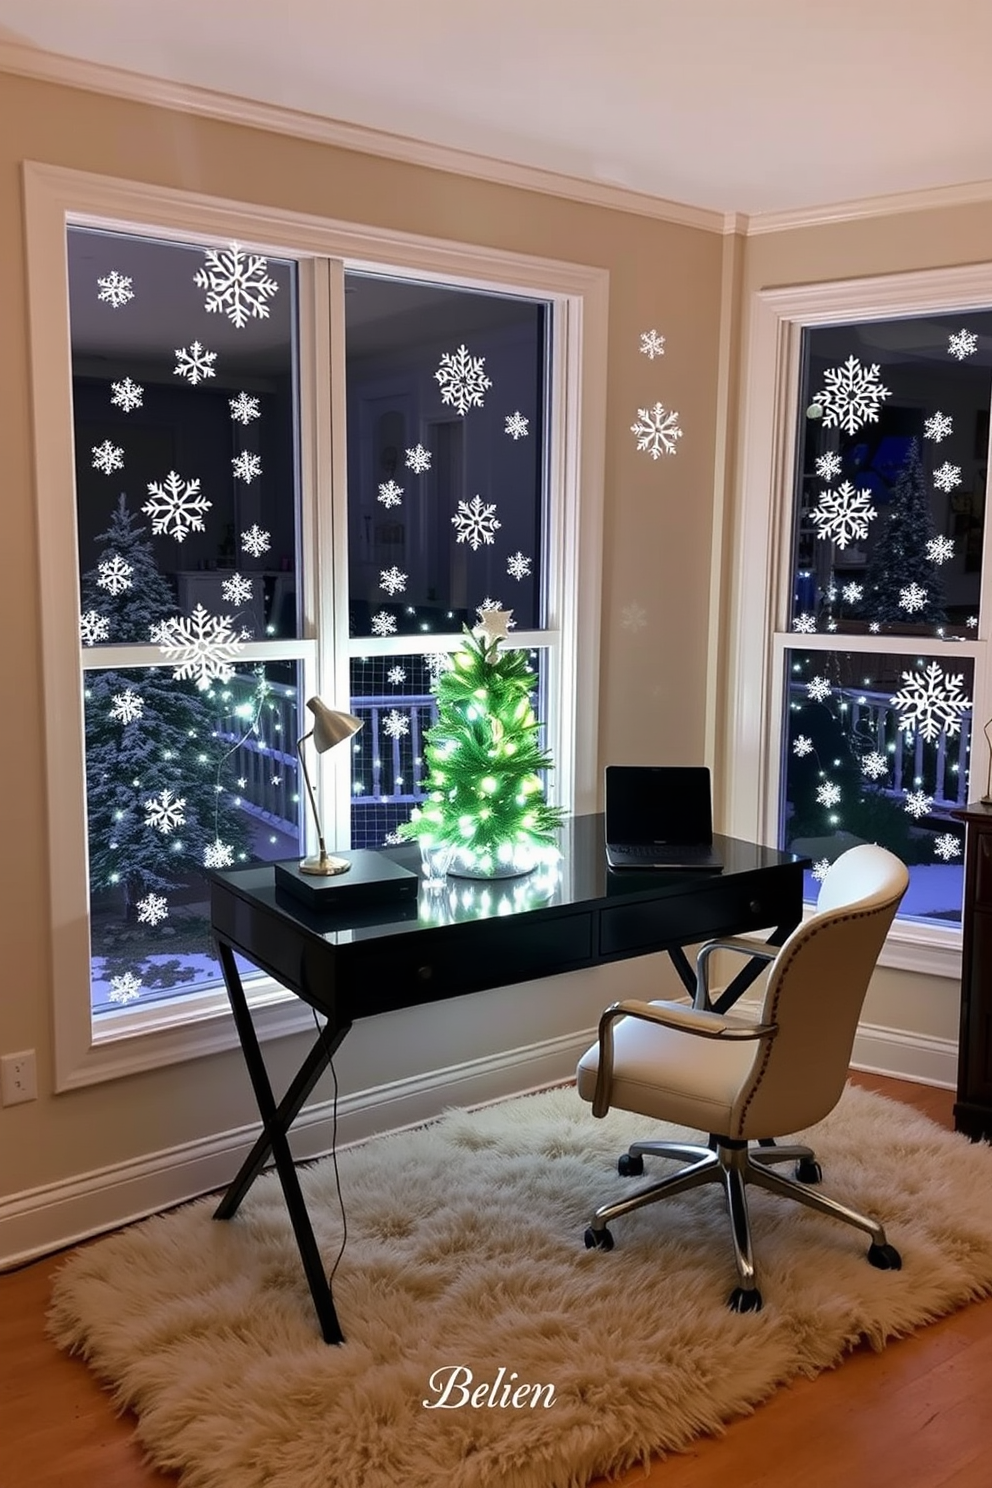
(914, 1416)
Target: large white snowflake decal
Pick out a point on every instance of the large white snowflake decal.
(392, 580)
(657, 431)
(962, 344)
(383, 623)
(518, 566)
(194, 363)
(918, 803)
(126, 706)
(852, 395)
(804, 624)
(843, 515)
(93, 627)
(818, 689)
(236, 284)
(947, 476)
(152, 909)
(244, 408)
(912, 598)
(126, 395)
(802, 745)
(940, 549)
(108, 457)
(418, 459)
(475, 522)
(217, 854)
(828, 794)
(390, 494)
(237, 589)
(947, 846)
(115, 289)
(652, 345)
(395, 724)
(114, 575)
(633, 616)
(874, 765)
(246, 466)
(176, 506)
(828, 465)
(124, 988)
(165, 812)
(938, 426)
(930, 702)
(516, 425)
(203, 647)
(462, 380)
(255, 541)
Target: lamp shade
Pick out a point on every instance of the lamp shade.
(329, 726)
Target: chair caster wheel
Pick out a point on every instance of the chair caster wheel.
(808, 1170)
(744, 1299)
(885, 1258)
(598, 1239)
(630, 1165)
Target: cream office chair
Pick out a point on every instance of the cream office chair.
(747, 1082)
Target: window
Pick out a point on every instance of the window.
(304, 458)
(874, 631)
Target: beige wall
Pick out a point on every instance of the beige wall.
(656, 551)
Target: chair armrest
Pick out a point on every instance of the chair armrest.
(730, 943)
(667, 1015)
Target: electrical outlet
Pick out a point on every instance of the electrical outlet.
(18, 1078)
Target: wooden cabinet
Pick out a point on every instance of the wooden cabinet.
(973, 1108)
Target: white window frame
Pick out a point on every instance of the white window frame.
(199, 1024)
(762, 580)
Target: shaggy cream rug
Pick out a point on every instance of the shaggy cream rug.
(465, 1253)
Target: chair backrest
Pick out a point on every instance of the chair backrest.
(814, 994)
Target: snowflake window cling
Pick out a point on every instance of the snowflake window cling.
(390, 494)
(396, 724)
(126, 395)
(947, 476)
(804, 624)
(461, 379)
(874, 765)
(176, 506)
(246, 466)
(476, 522)
(115, 289)
(244, 408)
(912, 598)
(418, 459)
(383, 624)
(165, 812)
(237, 284)
(108, 457)
(802, 745)
(852, 592)
(93, 628)
(820, 869)
(828, 465)
(237, 590)
(218, 854)
(517, 566)
(843, 515)
(940, 549)
(392, 580)
(127, 706)
(114, 575)
(194, 363)
(152, 909)
(947, 846)
(516, 426)
(962, 344)
(828, 794)
(124, 988)
(917, 803)
(657, 431)
(396, 675)
(938, 426)
(652, 345)
(818, 689)
(255, 541)
(202, 646)
(852, 396)
(930, 702)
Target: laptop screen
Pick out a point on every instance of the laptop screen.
(658, 803)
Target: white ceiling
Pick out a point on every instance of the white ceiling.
(735, 105)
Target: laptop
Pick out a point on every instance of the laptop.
(659, 816)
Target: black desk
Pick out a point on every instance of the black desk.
(462, 939)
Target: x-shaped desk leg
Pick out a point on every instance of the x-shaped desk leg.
(276, 1121)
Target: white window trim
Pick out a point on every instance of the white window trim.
(54, 197)
(760, 577)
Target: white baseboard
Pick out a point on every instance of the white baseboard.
(906, 1056)
(42, 1220)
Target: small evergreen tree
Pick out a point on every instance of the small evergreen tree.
(484, 792)
(899, 553)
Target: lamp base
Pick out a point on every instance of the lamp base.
(324, 866)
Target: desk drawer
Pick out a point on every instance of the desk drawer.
(427, 968)
(721, 907)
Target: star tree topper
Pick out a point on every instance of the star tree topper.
(494, 625)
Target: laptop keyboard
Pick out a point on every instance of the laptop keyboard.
(683, 854)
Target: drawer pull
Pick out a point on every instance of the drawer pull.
(755, 906)
(424, 973)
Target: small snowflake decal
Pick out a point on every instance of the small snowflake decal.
(246, 466)
(930, 702)
(418, 459)
(396, 675)
(108, 457)
(938, 426)
(912, 598)
(115, 289)
(820, 869)
(947, 476)
(657, 431)
(940, 549)
(126, 706)
(804, 624)
(203, 647)
(237, 589)
(652, 345)
(114, 575)
(633, 616)
(255, 541)
(462, 380)
(438, 662)
(972, 622)
(152, 909)
(244, 408)
(217, 854)
(852, 396)
(852, 592)
(962, 344)
(383, 624)
(93, 627)
(395, 724)
(828, 794)
(165, 812)
(843, 515)
(918, 803)
(874, 765)
(517, 566)
(175, 506)
(392, 839)
(194, 363)
(516, 426)
(392, 580)
(818, 689)
(236, 284)
(475, 522)
(390, 494)
(126, 395)
(124, 988)
(947, 846)
(828, 465)
(802, 745)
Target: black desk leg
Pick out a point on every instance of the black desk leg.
(750, 972)
(275, 1123)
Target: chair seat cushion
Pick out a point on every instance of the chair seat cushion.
(672, 1076)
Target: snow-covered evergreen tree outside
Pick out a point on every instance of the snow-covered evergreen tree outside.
(902, 584)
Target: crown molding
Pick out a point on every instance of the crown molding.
(968, 193)
(94, 77)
